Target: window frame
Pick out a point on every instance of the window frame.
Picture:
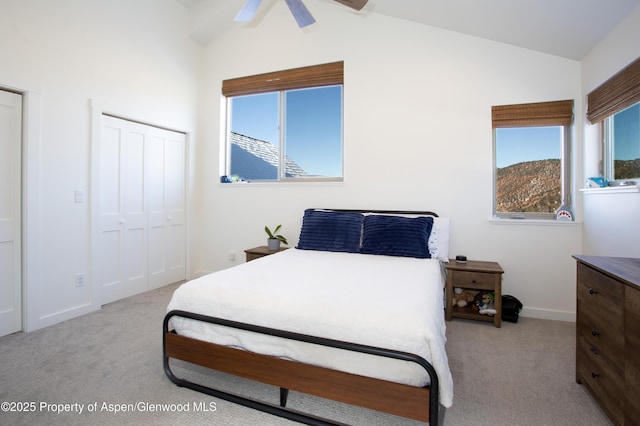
(540, 114)
(618, 93)
(608, 150)
(310, 77)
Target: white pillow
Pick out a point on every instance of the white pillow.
(439, 239)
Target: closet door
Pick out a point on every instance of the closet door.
(141, 240)
(10, 213)
(122, 249)
(166, 203)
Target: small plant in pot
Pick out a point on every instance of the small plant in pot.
(274, 240)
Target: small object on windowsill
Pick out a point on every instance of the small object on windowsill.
(231, 179)
(597, 182)
(622, 183)
(564, 213)
(461, 259)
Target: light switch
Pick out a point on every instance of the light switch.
(79, 196)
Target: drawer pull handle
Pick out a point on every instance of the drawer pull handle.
(595, 333)
(595, 375)
(592, 291)
(473, 281)
(594, 350)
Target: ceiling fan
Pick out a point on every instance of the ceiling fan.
(297, 8)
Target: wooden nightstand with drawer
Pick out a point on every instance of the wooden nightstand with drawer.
(474, 275)
(261, 251)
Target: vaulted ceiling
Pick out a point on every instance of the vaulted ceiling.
(566, 28)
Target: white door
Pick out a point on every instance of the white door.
(142, 234)
(10, 212)
(122, 256)
(166, 196)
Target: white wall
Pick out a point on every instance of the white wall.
(417, 132)
(611, 225)
(134, 57)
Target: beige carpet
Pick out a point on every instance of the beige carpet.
(111, 360)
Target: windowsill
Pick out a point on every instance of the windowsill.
(264, 184)
(630, 189)
(536, 222)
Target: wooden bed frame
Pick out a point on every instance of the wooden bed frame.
(417, 403)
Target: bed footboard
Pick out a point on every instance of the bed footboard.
(403, 400)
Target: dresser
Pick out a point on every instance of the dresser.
(608, 334)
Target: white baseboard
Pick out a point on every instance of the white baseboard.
(199, 274)
(58, 317)
(548, 314)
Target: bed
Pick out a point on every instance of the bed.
(353, 313)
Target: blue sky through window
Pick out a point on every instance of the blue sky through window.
(627, 133)
(313, 126)
(256, 116)
(520, 144)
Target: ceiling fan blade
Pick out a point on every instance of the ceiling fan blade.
(248, 11)
(353, 4)
(300, 13)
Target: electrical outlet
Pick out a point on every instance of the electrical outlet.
(79, 280)
(232, 256)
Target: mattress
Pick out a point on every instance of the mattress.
(383, 301)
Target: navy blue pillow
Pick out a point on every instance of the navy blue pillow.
(397, 236)
(331, 231)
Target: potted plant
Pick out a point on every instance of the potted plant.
(274, 240)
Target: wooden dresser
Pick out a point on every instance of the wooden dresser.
(608, 334)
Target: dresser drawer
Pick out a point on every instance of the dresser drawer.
(474, 280)
(604, 333)
(599, 292)
(597, 361)
(604, 381)
(592, 355)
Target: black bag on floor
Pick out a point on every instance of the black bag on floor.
(510, 308)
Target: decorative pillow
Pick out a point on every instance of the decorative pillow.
(331, 231)
(397, 236)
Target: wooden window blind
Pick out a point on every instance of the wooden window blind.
(619, 92)
(556, 113)
(297, 78)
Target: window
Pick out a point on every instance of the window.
(532, 159)
(616, 104)
(622, 144)
(286, 126)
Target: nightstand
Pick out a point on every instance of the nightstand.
(474, 275)
(261, 251)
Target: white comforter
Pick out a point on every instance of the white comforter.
(390, 302)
